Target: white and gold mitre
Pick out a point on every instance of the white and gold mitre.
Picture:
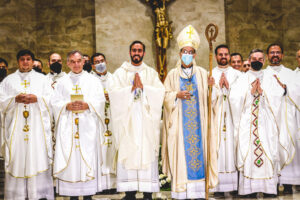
(188, 37)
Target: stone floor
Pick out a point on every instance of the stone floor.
(167, 195)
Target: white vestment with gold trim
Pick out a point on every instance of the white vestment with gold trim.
(77, 160)
(27, 154)
(136, 127)
(288, 120)
(228, 175)
(261, 150)
(108, 150)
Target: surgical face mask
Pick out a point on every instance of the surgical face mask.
(37, 69)
(187, 59)
(256, 65)
(87, 67)
(56, 67)
(3, 73)
(101, 67)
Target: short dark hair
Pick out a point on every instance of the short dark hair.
(39, 61)
(137, 42)
(72, 53)
(236, 54)
(221, 46)
(96, 55)
(255, 51)
(3, 60)
(24, 52)
(274, 44)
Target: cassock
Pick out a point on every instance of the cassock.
(228, 175)
(288, 120)
(261, 150)
(136, 127)
(108, 150)
(78, 158)
(26, 142)
(184, 141)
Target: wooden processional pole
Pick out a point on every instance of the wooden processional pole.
(211, 33)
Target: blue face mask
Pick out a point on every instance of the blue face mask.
(187, 59)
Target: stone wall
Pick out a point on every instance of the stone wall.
(257, 23)
(46, 26)
(118, 23)
(63, 26)
(17, 29)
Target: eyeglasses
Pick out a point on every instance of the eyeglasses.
(187, 52)
(246, 65)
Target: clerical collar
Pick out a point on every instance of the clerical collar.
(24, 74)
(223, 69)
(76, 75)
(256, 73)
(277, 68)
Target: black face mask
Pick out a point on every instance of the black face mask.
(37, 69)
(56, 67)
(256, 65)
(87, 67)
(3, 73)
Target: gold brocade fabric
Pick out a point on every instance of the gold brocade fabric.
(173, 154)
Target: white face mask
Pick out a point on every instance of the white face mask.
(101, 67)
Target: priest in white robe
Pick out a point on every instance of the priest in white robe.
(136, 96)
(287, 78)
(55, 65)
(225, 76)
(78, 105)
(26, 132)
(184, 141)
(109, 186)
(261, 149)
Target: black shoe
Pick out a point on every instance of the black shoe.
(87, 197)
(219, 194)
(112, 191)
(129, 195)
(270, 195)
(250, 196)
(74, 198)
(288, 189)
(147, 195)
(234, 193)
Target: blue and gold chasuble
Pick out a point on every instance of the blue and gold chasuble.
(192, 130)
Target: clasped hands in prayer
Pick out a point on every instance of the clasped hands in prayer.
(77, 105)
(187, 95)
(26, 98)
(137, 83)
(256, 89)
(223, 81)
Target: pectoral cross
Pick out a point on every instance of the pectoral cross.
(189, 87)
(108, 143)
(190, 32)
(76, 89)
(25, 84)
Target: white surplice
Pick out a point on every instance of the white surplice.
(261, 150)
(54, 78)
(136, 127)
(77, 161)
(288, 120)
(28, 155)
(228, 175)
(108, 150)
